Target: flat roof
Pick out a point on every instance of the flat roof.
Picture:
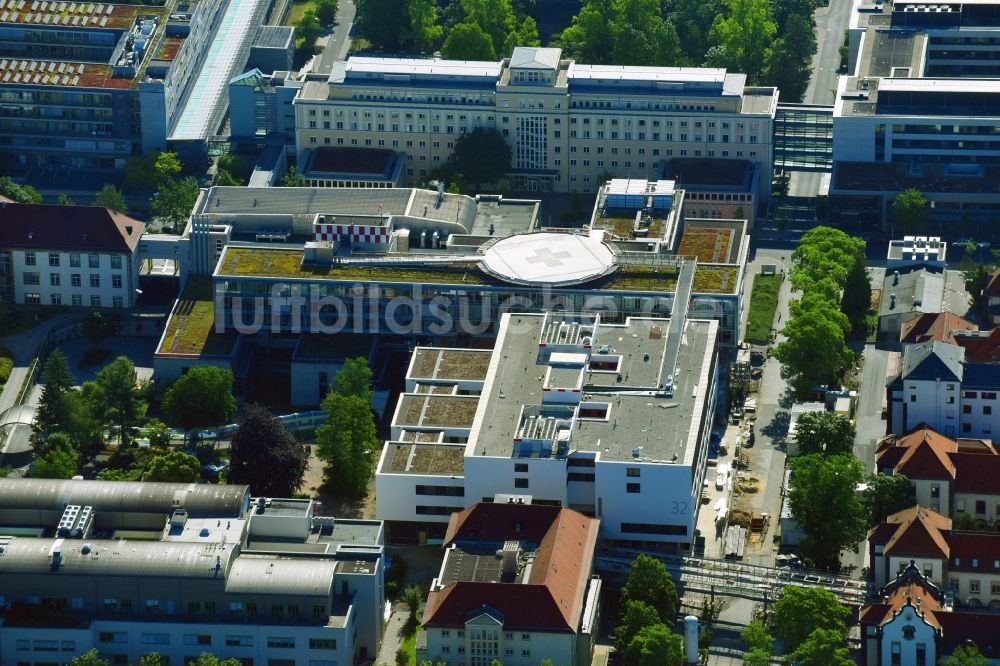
(423, 67)
(504, 218)
(478, 565)
(638, 416)
(87, 15)
(554, 259)
(940, 85)
(352, 160)
(712, 241)
(416, 458)
(441, 411)
(432, 363)
(696, 173)
(701, 75)
(191, 327)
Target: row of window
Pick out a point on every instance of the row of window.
(76, 300)
(121, 637)
(33, 278)
(123, 660)
(55, 259)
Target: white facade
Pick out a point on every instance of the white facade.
(100, 279)
(906, 635)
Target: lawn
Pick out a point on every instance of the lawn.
(6, 364)
(763, 304)
(410, 644)
(297, 9)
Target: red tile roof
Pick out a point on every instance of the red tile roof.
(552, 597)
(976, 473)
(981, 348)
(911, 592)
(67, 228)
(919, 531)
(993, 284)
(983, 547)
(925, 454)
(939, 326)
(983, 629)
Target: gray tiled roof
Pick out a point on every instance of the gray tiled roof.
(933, 360)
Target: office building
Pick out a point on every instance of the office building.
(609, 419)
(261, 107)
(131, 568)
(568, 124)
(68, 255)
(918, 109)
(516, 584)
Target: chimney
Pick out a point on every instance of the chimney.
(895, 278)
(892, 301)
(510, 553)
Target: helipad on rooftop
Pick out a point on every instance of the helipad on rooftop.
(553, 259)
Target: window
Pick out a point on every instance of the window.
(973, 587)
(980, 507)
(29, 259)
(94, 261)
(525, 637)
(966, 409)
(520, 483)
(31, 278)
(95, 280)
(280, 642)
(521, 468)
(445, 632)
(75, 280)
(32, 299)
(54, 279)
(53, 258)
(909, 632)
(77, 300)
(239, 641)
(632, 471)
(987, 410)
(116, 281)
(654, 528)
(322, 643)
(632, 487)
(935, 490)
(445, 648)
(112, 637)
(117, 302)
(197, 639)
(95, 301)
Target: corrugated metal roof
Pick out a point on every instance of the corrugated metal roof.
(265, 575)
(96, 557)
(131, 497)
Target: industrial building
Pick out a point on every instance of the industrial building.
(179, 569)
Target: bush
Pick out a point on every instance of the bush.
(763, 304)
(6, 366)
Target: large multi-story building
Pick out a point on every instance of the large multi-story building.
(516, 584)
(131, 568)
(568, 124)
(612, 420)
(84, 85)
(68, 255)
(919, 109)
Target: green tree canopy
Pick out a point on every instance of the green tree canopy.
(910, 212)
(382, 22)
(470, 148)
(175, 200)
(757, 657)
(495, 17)
(175, 467)
(802, 610)
(355, 378)
(200, 398)
(347, 443)
(308, 29)
(412, 597)
(885, 495)
(823, 647)
(622, 32)
(824, 502)
(65, 200)
(825, 252)
(140, 173)
(21, 193)
(468, 41)
(635, 616)
(326, 11)
(744, 32)
(425, 29)
(293, 179)
(824, 432)
(116, 398)
(52, 414)
(89, 658)
(158, 435)
(964, 655)
(110, 197)
(154, 659)
(167, 166)
(264, 455)
(208, 659)
(757, 637)
(787, 63)
(99, 326)
(58, 462)
(650, 582)
(815, 350)
(655, 646)
(857, 298)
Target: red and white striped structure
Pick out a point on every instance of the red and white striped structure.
(356, 233)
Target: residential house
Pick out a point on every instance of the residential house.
(930, 326)
(907, 294)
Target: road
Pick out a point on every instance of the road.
(339, 41)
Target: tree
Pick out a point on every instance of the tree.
(815, 351)
(857, 298)
(757, 657)
(622, 32)
(346, 443)
(264, 455)
(201, 397)
(65, 200)
(910, 212)
(964, 655)
(800, 611)
(175, 467)
(636, 616)
(468, 41)
(825, 252)
(19, 192)
(826, 433)
(154, 659)
(110, 197)
(355, 378)
(655, 646)
(140, 172)
(112, 474)
(495, 17)
(649, 582)
(326, 11)
(885, 495)
(117, 401)
(89, 658)
(308, 29)
(425, 30)
(412, 596)
(381, 22)
(158, 435)
(293, 179)
(167, 166)
(744, 32)
(470, 148)
(824, 502)
(525, 34)
(175, 200)
(787, 62)
(402, 656)
(59, 462)
(52, 413)
(588, 39)
(757, 637)
(207, 659)
(98, 326)
(823, 647)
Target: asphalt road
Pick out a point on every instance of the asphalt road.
(339, 41)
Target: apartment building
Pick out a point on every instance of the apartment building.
(516, 584)
(68, 255)
(568, 124)
(612, 420)
(964, 564)
(919, 109)
(180, 569)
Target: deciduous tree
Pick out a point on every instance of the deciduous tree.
(425, 29)
(964, 655)
(825, 252)
(110, 197)
(347, 443)
(650, 582)
(824, 502)
(89, 658)
(622, 32)
(787, 63)
(19, 192)
(635, 616)
(470, 148)
(99, 326)
(910, 212)
(167, 166)
(326, 11)
(802, 610)
(175, 467)
(116, 398)
(856, 300)
(745, 32)
(293, 179)
(175, 200)
(823, 647)
(655, 646)
(381, 22)
(885, 495)
(264, 455)
(815, 351)
(826, 433)
(200, 398)
(468, 41)
(58, 462)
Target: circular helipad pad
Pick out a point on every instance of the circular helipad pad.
(548, 258)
